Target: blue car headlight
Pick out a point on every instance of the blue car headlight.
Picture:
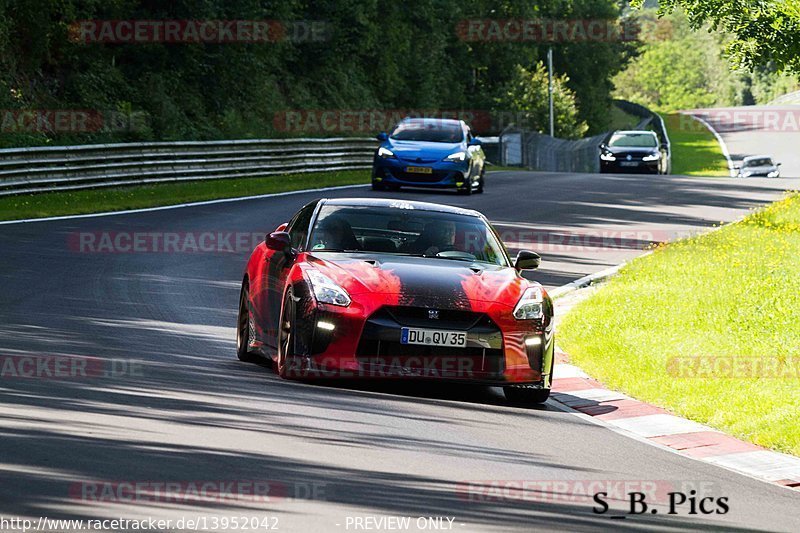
(385, 153)
(457, 157)
(607, 156)
(652, 157)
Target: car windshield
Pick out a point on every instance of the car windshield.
(762, 162)
(428, 130)
(406, 232)
(633, 140)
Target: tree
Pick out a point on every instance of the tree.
(526, 99)
(678, 68)
(764, 30)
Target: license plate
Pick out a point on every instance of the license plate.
(433, 337)
(629, 163)
(419, 170)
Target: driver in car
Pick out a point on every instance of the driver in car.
(335, 233)
(435, 237)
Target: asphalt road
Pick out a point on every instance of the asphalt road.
(759, 130)
(188, 412)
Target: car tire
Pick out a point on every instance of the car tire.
(480, 181)
(526, 395)
(466, 190)
(245, 329)
(287, 361)
(378, 186)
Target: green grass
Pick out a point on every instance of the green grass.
(732, 293)
(121, 198)
(695, 150)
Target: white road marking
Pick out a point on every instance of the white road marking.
(721, 142)
(178, 206)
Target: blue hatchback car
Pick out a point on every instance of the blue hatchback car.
(429, 152)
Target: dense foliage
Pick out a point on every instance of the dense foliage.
(764, 31)
(377, 54)
(528, 94)
(678, 67)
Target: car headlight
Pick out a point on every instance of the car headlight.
(746, 174)
(607, 156)
(385, 153)
(456, 157)
(773, 174)
(325, 290)
(530, 304)
(652, 157)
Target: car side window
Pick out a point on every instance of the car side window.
(298, 227)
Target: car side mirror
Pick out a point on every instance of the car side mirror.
(475, 142)
(279, 241)
(778, 164)
(382, 136)
(282, 227)
(527, 260)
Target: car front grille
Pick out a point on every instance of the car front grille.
(380, 347)
(434, 177)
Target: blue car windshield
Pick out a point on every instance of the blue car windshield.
(428, 131)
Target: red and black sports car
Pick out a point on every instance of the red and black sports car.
(376, 288)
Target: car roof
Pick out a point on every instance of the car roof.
(634, 132)
(751, 157)
(399, 204)
(434, 120)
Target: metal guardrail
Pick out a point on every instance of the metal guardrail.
(559, 155)
(542, 152)
(51, 168)
(792, 98)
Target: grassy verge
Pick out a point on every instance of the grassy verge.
(708, 327)
(121, 198)
(695, 150)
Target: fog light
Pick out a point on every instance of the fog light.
(327, 326)
(533, 341)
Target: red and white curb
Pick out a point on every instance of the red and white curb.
(577, 392)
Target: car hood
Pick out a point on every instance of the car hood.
(630, 150)
(413, 150)
(422, 281)
(759, 170)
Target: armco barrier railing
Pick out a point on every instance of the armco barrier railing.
(36, 169)
(542, 152)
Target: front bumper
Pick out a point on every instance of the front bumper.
(634, 166)
(360, 343)
(395, 172)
